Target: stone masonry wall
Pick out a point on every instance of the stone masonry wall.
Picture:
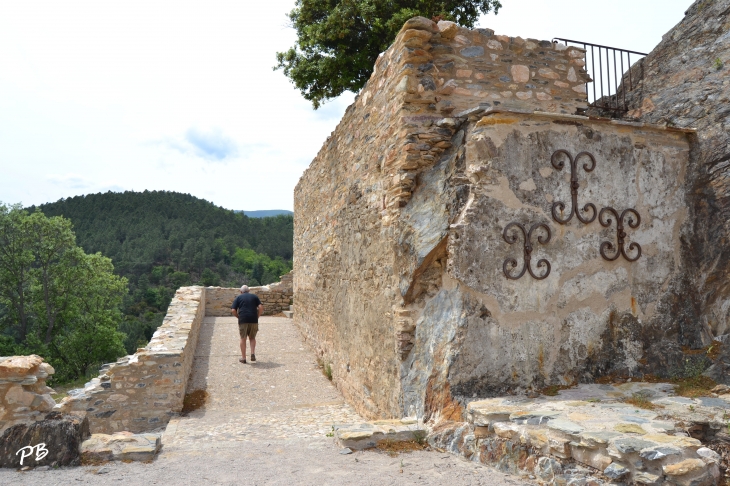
(24, 395)
(276, 297)
(141, 392)
(350, 275)
(400, 248)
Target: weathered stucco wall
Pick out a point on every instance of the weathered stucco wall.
(480, 333)
(275, 297)
(141, 392)
(399, 246)
(24, 395)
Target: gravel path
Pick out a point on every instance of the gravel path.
(265, 423)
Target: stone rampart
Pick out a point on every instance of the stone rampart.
(275, 297)
(24, 395)
(410, 252)
(141, 392)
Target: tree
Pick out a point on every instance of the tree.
(16, 259)
(55, 300)
(339, 40)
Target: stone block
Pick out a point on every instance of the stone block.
(53, 441)
(121, 446)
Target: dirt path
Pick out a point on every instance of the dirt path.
(265, 423)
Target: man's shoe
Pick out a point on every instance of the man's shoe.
(242, 360)
(253, 358)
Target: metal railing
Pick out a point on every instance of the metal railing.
(611, 78)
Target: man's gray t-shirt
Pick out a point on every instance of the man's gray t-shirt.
(247, 305)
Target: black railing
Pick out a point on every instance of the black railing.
(610, 77)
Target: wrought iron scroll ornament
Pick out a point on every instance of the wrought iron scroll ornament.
(527, 237)
(574, 185)
(620, 233)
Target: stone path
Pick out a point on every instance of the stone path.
(266, 424)
(283, 395)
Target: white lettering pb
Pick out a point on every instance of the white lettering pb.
(40, 452)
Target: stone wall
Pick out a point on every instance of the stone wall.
(685, 82)
(276, 297)
(400, 248)
(24, 395)
(141, 392)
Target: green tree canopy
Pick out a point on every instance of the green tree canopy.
(339, 40)
(160, 241)
(55, 300)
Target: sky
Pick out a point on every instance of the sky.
(104, 95)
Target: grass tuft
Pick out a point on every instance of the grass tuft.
(395, 447)
(640, 400)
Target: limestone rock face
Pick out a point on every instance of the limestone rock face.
(54, 441)
(685, 82)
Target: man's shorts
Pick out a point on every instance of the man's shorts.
(249, 330)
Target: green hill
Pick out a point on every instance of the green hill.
(163, 240)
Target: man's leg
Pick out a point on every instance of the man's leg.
(253, 345)
(243, 347)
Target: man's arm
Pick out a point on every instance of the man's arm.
(234, 309)
(260, 309)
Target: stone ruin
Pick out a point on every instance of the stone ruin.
(463, 233)
(119, 414)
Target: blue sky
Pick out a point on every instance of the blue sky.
(181, 96)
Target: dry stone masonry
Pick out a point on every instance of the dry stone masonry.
(590, 435)
(141, 392)
(24, 396)
(275, 297)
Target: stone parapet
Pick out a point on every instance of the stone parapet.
(24, 395)
(275, 297)
(140, 393)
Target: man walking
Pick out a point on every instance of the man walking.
(248, 308)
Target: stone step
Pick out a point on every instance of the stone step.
(121, 446)
(289, 314)
(291, 308)
(630, 433)
(367, 435)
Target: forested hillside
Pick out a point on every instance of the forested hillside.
(162, 240)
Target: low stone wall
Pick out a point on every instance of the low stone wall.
(141, 392)
(590, 435)
(276, 297)
(24, 395)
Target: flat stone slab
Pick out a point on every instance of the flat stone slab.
(121, 446)
(367, 435)
(594, 426)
